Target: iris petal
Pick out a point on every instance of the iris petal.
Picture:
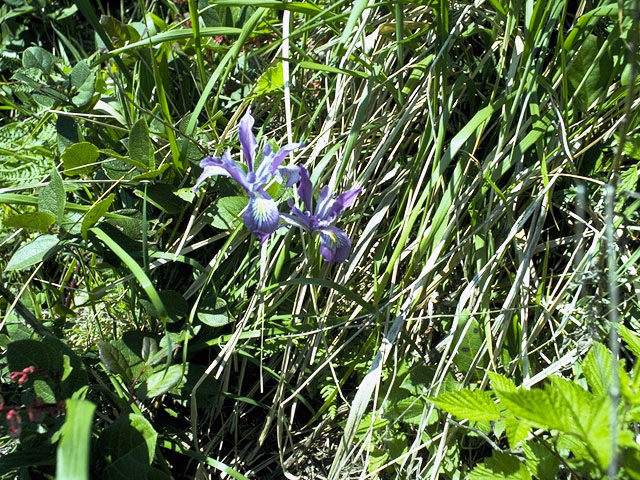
(342, 201)
(271, 161)
(305, 189)
(334, 244)
(225, 166)
(247, 138)
(288, 175)
(261, 217)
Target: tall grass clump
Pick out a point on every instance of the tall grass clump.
(425, 265)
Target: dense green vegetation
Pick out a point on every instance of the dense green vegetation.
(485, 323)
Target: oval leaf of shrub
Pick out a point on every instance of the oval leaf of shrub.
(161, 382)
(140, 147)
(114, 360)
(32, 252)
(36, 57)
(79, 159)
(40, 221)
(213, 312)
(128, 447)
(224, 213)
(95, 213)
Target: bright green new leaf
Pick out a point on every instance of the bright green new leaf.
(52, 198)
(95, 213)
(32, 252)
(631, 339)
(75, 441)
(79, 159)
(40, 221)
(271, 80)
(501, 466)
(597, 368)
(473, 405)
(224, 213)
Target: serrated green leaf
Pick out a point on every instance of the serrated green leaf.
(538, 406)
(501, 466)
(52, 198)
(114, 360)
(40, 221)
(140, 146)
(474, 405)
(128, 447)
(79, 159)
(161, 382)
(502, 383)
(75, 441)
(597, 368)
(95, 213)
(33, 252)
(631, 339)
(516, 430)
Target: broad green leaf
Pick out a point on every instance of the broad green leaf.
(40, 221)
(474, 405)
(213, 311)
(593, 75)
(79, 74)
(140, 146)
(52, 198)
(36, 57)
(271, 80)
(128, 447)
(161, 382)
(95, 213)
(224, 213)
(33, 252)
(67, 131)
(501, 466)
(469, 345)
(597, 368)
(79, 159)
(114, 360)
(75, 441)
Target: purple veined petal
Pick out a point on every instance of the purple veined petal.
(296, 221)
(261, 217)
(305, 189)
(334, 244)
(271, 161)
(247, 138)
(324, 202)
(225, 166)
(288, 175)
(236, 171)
(342, 202)
(210, 167)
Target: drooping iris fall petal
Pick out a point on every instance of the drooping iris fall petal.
(334, 244)
(261, 216)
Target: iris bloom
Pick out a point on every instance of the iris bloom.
(334, 243)
(261, 215)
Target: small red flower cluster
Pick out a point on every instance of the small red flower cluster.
(22, 376)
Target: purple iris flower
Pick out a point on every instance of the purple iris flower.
(334, 243)
(261, 215)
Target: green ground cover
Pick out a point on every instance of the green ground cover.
(483, 322)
